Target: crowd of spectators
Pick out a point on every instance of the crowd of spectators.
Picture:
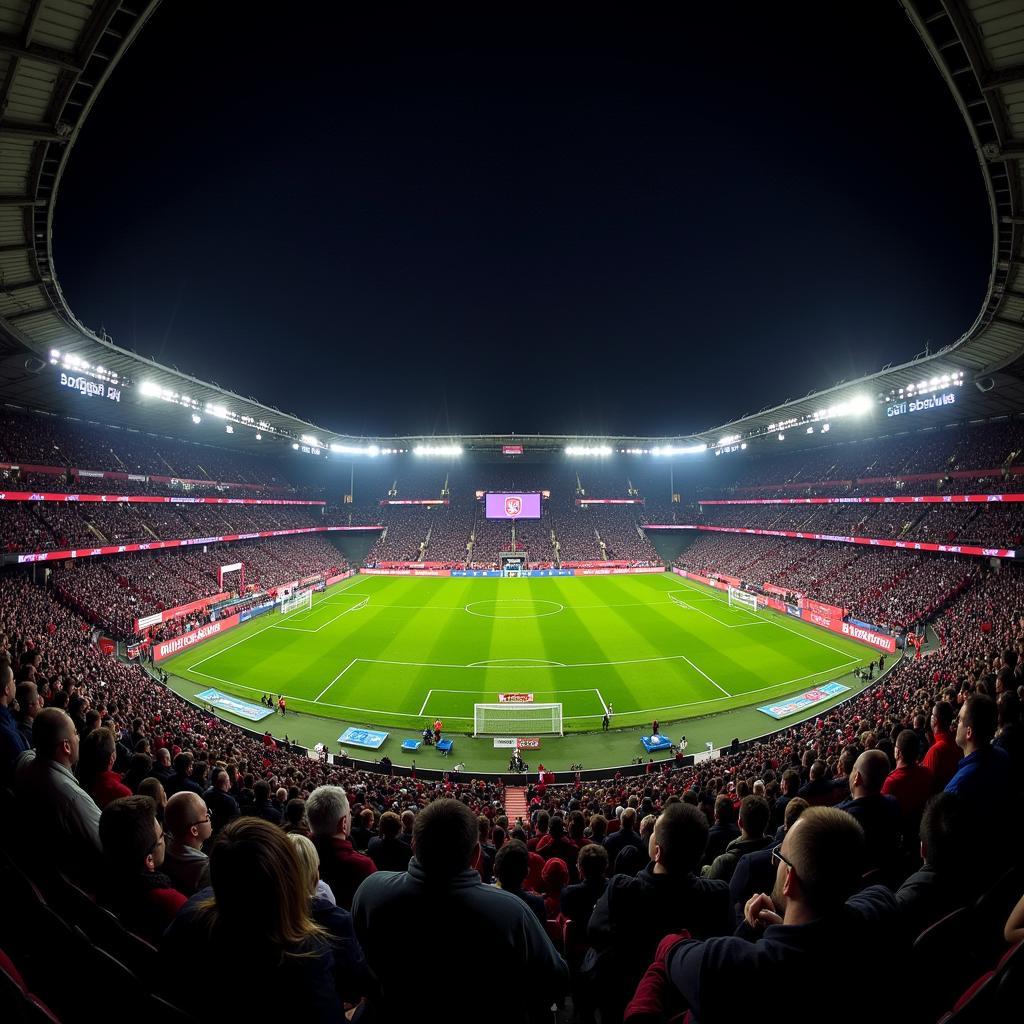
(635, 894)
(114, 592)
(894, 589)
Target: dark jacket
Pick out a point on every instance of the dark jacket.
(725, 864)
(12, 745)
(342, 867)
(634, 915)
(578, 900)
(754, 873)
(617, 841)
(495, 935)
(534, 901)
(301, 987)
(882, 821)
(719, 837)
(352, 974)
(725, 980)
(927, 896)
(389, 854)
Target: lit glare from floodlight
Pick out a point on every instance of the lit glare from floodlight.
(437, 449)
(587, 450)
(196, 418)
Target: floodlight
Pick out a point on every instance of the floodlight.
(150, 389)
(230, 429)
(259, 437)
(196, 418)
(782, 437)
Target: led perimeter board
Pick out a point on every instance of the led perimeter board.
(512, 506)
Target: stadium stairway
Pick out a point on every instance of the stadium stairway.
(515, 804)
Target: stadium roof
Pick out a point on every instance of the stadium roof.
(55, 56)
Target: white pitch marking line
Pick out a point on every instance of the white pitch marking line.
(601, 699)
(425, 700)
(352, 608)
(705, 675)
(335, 679)
(270, 625)
(505, 663)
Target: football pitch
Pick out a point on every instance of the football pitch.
(398, 652)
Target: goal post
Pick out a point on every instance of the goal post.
(517, 719)
(301, 599)
(743, 599)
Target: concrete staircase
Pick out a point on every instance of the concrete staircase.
(516, 806)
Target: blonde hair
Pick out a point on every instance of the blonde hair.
(309, 859)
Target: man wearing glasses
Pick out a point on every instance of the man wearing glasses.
(790, 941)
(134, 848)
(189, 825)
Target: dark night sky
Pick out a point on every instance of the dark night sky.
(645, 226)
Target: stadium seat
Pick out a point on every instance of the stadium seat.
(445, 747)
(976, 1004)
(411, 745)
(939, 990)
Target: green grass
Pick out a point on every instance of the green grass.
(396, 652)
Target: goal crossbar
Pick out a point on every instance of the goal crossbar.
(509, 719)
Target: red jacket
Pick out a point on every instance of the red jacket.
(342, 867)
(107, 786)
(942, 759)
(911, 785)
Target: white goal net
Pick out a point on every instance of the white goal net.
(297, 601)
(743, 599)
(517, 719)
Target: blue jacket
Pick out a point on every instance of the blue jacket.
(726, 980)
(983, 779)
(12, 746)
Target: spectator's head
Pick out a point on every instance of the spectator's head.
(27, 696)
(390, 825)
(328, 812)
(445, 838)
(647, 828)
(869, 774)
(946, 829)
(55, 738)
(163, 757)
(187, 820)
(408, 818)
(790, 782)
(942, 718)
(592, 862)
(556, 828)
(295, 815)
(133, 840)
(754, 816)
(680, 835)
(977, 724)
(309, 860)
(8, 690)
(554, 877)
(97, 753)
(154, 789)
(817, 770)
(249, 856)
(907, 748)
(725, 811)
(261, 791)
(794, 808)
(1007, 706)
(183, 763)
(598, 827)
(819, 864)
(628, 820)
(512, 864)
(220, 780)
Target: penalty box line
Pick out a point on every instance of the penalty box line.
(586, 689)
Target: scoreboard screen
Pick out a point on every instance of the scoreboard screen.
(512, 506)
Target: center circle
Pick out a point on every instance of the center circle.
(505, 608)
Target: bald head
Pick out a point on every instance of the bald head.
(186, 819)
(869, 773)
(55, 738)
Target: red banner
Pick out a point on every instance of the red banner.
(921, 499)
(142, 499)
(881, 542)
(182, 609)
(159, 545)
(882, 641)
(830, 611)
(528, 743)
(168, 648)
(515, 698)
(331, 580)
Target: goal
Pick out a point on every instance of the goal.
(745, 600)
(517, 719)
(297, 601)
